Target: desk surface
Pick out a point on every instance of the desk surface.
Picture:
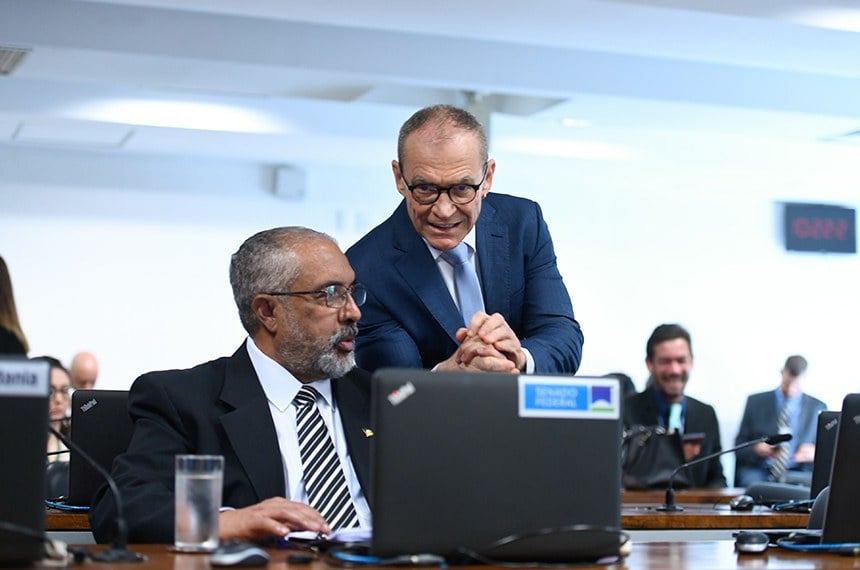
(633, 517)
(705, 555)
(716, 496)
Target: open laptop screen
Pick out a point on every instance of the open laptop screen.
(825, 442)
(489, 462)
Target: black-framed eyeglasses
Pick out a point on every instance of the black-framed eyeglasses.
(64, 391)
(335, 295)
(426, 194)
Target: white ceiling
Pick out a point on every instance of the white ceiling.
(314, 81)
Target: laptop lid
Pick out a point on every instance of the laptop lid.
(499, 464)
(841, 523)
(825, 442)
(24, 389)
(101, 427)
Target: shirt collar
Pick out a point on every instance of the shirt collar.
(278, 383)
(468, 240)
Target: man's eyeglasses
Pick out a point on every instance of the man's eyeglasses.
(64, 391)
(335, 295)
(426, 194)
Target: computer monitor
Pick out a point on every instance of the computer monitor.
(24, 389)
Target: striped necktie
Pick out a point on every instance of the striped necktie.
(324, 479)
(779, 460)
(466, 284)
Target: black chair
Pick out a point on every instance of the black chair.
(57, 480)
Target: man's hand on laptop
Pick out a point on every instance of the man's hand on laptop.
(273, 517)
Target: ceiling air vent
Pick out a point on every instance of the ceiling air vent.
(10, 58)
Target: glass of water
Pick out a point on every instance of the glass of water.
(199, 479)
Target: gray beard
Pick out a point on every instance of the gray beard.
(305, 360)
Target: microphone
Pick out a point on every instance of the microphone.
(118, 551)
(670, 506)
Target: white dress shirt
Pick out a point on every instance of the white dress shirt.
(281, 388)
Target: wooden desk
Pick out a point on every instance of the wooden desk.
(706, 517)
(633, 517)
(707, 555)
(719, 496)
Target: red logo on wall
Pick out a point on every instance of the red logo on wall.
(819, 227)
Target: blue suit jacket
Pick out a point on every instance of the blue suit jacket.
(410, 319)
(761, 418)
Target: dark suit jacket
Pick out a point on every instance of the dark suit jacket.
(641, 409)
(410, 319)
(215, 408)
(761, 418)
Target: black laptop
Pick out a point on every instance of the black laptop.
(841, 523)
(101, 427)
(825, 442)
(495, 467)
(24, 388)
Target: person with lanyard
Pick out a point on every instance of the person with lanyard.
(669, 358)
(289, 410)
(460, 277)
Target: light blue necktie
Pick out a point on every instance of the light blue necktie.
(465, 282)
(675, 419)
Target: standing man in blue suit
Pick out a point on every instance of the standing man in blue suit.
(412, 317)
(762, 417)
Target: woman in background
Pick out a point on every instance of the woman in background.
(60, 402)
(12, 339)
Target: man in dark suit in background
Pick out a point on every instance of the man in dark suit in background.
(762, 413)
(413, 313)
(669, 358)
(298, 300)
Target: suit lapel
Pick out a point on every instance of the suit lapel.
(352, 393)
(494, 260)
(417, 267)
(249, 427)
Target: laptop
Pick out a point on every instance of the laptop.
(24, 389)
(497, 466)
(102, 428)
(841, 523)
(840, 529)
(825, 442)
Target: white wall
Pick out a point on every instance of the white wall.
(128, 256)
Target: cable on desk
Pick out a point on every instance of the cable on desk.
(64, 507)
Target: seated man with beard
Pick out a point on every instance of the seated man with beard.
(298, 300)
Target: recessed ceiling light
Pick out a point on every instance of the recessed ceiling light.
(575, 123)
(180, 115)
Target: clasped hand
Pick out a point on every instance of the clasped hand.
(488, 344)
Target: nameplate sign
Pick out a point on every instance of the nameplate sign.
(21, 378)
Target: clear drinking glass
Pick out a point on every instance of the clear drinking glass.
(199, 479)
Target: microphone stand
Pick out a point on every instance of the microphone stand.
(670, 506)
(118, 551)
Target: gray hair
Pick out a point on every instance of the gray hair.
(442, 117)
(267, 261)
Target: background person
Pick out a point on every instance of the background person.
(669, 358)
(520, 319)
(298, 300)
(84, 371)
(12, 339)
(791, 461)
